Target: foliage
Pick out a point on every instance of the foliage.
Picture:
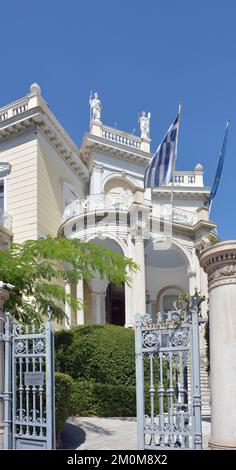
(37, 268)
(98, 353)
(101, 360)
(91, 398)
(63, 391)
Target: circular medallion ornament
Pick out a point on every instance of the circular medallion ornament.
(180, 337)
(151, 339)
(20, 347)
(39, 346)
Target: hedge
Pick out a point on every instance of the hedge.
(90, 398)
(98, 353)
(101, 361)
(63, 391)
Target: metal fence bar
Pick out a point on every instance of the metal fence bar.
(14, 359)
(7, 440)
(139, 381)
(196, 384)
(50, 387)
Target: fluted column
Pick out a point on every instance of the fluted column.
(219, 262)
(80, 296)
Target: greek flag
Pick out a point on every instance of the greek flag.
(219, 166)
(160, 168)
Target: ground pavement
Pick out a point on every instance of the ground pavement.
(93, 433)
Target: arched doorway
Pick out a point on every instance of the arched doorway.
(115, 304)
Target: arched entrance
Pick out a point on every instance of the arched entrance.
(115, 304)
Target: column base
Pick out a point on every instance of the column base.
(213, 445)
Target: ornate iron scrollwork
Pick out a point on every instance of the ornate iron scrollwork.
(151, 339)
(20, 346)
(180, 337)
(39, 346)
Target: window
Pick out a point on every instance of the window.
(2, 194)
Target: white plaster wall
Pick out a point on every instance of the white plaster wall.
(157, 278)
(21, 153)
(52, 173)
(114, 166)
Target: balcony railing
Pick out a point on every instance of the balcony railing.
(97, 202)
(121, 202)
(5, 220)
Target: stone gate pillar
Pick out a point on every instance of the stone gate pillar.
(219, 262)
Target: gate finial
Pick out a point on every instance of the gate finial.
(49, 313)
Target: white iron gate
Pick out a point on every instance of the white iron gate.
(168, 378)
(28, 397)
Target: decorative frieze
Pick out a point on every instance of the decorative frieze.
(219, 262)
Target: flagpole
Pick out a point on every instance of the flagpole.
(174, 159)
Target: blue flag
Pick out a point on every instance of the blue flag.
(160, 168)
(219, 166)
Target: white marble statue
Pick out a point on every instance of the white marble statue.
(95, 107)
(144, 123)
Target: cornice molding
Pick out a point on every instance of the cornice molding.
(93, 143)
(37, 119)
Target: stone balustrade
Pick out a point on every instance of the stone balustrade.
(184, 179)
(10, 111)
(121, 137)
(32, 100)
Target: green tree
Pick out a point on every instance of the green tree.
(37, 268)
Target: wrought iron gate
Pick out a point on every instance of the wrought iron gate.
(168, 378)
(29, 408)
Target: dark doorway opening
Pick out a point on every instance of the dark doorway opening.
(115, 304)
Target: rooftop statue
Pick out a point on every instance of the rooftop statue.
(95, 107)
(144, 123)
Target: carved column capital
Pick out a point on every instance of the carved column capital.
(96, 166)
(219, 262)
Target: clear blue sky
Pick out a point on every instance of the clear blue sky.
(139, 55)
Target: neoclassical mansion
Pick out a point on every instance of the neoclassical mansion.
(49, 186)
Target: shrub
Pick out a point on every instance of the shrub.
(101, 361)
(63, 391)
(90, 398)
(98, 353)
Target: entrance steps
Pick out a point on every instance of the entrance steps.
(205, 388)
